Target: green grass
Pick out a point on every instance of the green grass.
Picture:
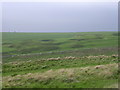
(44, 65)
(22, 43)
(79, 77)
(31, 60)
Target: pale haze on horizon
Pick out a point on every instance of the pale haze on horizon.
(59, 16)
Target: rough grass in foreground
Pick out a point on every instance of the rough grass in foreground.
(83, 77)
(76, 72)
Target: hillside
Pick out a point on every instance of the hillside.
(60, 60)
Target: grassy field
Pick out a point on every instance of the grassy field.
(60, 60)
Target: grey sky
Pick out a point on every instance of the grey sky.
(59, 17)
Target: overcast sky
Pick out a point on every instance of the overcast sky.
(59, 16)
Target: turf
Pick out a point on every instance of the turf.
(60, 60)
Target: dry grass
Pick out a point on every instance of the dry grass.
(70, 74)
(112, 86)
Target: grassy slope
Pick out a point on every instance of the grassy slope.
(99, 76)
(31, 70)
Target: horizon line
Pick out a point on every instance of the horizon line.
(58, 32)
